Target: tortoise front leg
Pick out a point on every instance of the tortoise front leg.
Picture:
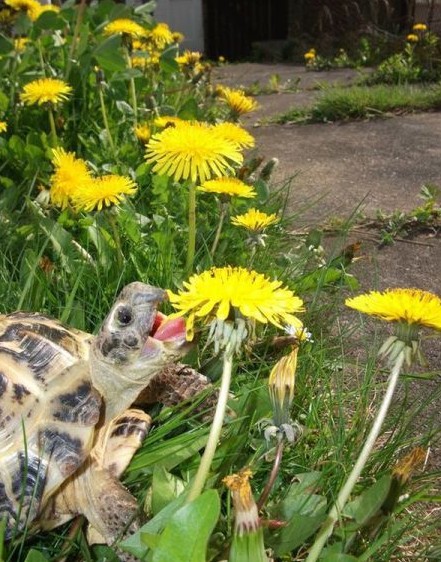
(175, 384)
(96, 492)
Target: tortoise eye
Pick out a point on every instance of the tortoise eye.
(124, 316)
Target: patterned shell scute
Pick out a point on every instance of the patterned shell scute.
(48, 411)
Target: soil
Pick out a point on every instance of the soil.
(339, 172)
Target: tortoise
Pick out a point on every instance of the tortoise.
(67, 432)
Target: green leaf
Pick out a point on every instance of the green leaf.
(107, 55)
(2, 535)
(165, 488)
(49, 20)
(185, 537)
(299, 528)
(339, 557)
(139, 543)
(171, 453)
(189, 110)
(369, 502)
(302, 509)
(6, 46)
(3, 101)
(35, 556)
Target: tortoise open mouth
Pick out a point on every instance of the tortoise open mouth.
(165, 329)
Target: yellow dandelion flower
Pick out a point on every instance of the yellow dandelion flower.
(168, 120)
(192, 151)
(45, 90)
(160, 35)
(70, 173)
(419, 27)
(407, 306)
(3, 126)
(124, 26)
(103, 192)
(412, 38)
(189, 58)
(235, 133)
(226, 291)
(143, 132)
(237, 101)
(310, 55)
(30, 7)
(228, 186)
(255, 220)
(20, 44)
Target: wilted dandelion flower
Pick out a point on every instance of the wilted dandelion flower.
(45, 90)
(124, 26)
(192, 151)
(247, 544)
(6, 17)
(70, 174)
(236, 100)
(3, 126)
(235, 133)
(412, 38)
(255, 220)
(177, 37)
(103, 192)
(419, 27)
(409, 308)
(20, 44)
(30, 7)
(232, 298)
(231, 187)
(143, 132)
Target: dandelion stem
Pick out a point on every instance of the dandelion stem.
(345, 492)
(52, 126)
(191, 227)
(80, 14)
(215, 431)
(273, 475)
(117, 239)
(132, 89)
(105, 120)
(222, 214)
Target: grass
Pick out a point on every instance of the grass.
(362, 102)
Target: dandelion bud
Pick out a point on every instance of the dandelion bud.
(268, 169)
(247, 545)
(401, 474)
(281, 386)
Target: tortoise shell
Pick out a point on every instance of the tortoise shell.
(48, 411)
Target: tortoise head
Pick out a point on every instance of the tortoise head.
(136, 341)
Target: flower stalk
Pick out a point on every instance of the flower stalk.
(106, 120)
(215, 431)
(191, 246)
(222, 214)
(132, 88)
(52, 125)
(343, 496)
